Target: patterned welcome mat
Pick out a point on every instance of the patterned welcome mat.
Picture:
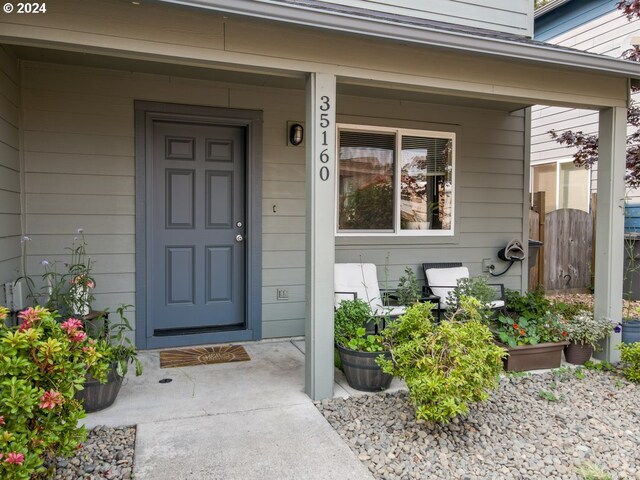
(188, 357)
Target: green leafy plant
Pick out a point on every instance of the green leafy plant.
(583, 328)
(602, 366)
(549, 328)
(408, 291)
(630, 354)
(43, 365)
(445, 366)
(115, 345)
(579, 373)
(350, 320)
(476, 287)
(532, 304)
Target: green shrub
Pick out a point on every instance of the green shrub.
(445, 366)
(530, 305)
(42, 366)
(630, 354)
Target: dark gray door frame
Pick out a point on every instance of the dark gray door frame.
(145, 114)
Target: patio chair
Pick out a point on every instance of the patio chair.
(441, 278)
(360, 280)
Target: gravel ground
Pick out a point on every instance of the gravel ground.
(587, 298)
(544, 426)
(107, 453)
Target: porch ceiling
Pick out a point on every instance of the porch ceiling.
(274, 79)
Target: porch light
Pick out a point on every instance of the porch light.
(296, 134)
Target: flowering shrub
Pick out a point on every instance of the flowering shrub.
(42, 365)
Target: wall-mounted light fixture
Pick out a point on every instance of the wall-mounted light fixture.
(296, 133)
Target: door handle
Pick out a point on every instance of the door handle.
(239, 238)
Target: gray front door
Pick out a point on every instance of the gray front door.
(196, 273)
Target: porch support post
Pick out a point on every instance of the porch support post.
(609, 226)
(320, 231)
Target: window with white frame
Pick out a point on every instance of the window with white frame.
(564, 184)
(395, 181)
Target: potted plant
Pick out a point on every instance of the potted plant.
(408, 292)
(116, 353)
(359, 349)
(531, 332)
(67, 287)
(584, 333)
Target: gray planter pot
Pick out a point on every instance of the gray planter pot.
(577, 353)
(631, 330)
(97, 396)
(362, 371)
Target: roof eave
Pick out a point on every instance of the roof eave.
(496, 47)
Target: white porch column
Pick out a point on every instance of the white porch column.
(610, 223)
(320, 229)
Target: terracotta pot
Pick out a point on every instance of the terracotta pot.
(362, 371)
(97, 396)
(533, 357)
(577, 353)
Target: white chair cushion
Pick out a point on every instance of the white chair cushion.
(444, 280)
(360, 278)
(496, 304)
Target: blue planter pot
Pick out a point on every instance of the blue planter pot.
(631, 330)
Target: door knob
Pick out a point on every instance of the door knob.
(239, 238)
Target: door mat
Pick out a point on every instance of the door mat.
(188, 357)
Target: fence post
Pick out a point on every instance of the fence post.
(539, 206)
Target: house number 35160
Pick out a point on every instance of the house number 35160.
(325, 123)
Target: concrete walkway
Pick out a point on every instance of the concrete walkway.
(243, 420)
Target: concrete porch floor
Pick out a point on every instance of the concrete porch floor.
(242, 420)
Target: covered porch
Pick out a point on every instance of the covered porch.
(73, 162)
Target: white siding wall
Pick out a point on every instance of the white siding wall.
(10, 229)
(511, 16)
(606, 35)
(79, 149)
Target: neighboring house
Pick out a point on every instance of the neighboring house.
(162, 129)
(595, 26)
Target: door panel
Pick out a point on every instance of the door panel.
(198, 258)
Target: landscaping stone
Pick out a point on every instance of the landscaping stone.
(107, 453)
(516, 434)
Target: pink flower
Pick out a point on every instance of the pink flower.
(31, 314)
(2, 422)
(91, 284)
(78, 337)
(15, 458)
(4, 313)
(71, 325)
(50, 399)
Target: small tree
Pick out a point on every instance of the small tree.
(586, 154)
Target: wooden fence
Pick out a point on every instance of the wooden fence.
(565, 262)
